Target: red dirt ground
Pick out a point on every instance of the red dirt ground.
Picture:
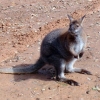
(23, 24)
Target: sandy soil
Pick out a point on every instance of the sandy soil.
(23, 24)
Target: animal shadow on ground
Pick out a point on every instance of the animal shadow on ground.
(46, 73)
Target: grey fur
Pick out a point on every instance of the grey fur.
(60, 48)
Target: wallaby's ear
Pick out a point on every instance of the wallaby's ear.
(81, 19)
(70, 18)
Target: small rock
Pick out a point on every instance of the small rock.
(43, 89)
(87, 92)
(54, 7)
(49, 88)
(81, 99)
(38, 48)
(39, 42)
(50, 97)
(97, 23)
(88, 78)
(37, 98)
(99, 32)
(35, 30)
(38, 23)
(28, 46)
(96, 88)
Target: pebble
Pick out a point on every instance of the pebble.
(89, 0)
(88, 78)
(39, 42)
(50, 97)
(96, 88)
(28, 46)
(87, 92)
(99, 33)
(81, 99)
(35, 31)
(54, 7)
(37, 98)
(97, 23)
(34, 15)
(38, 23)
(43, 89)
(49, 88)
(38, 48)
(16, 52)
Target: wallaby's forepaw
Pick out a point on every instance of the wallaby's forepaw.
(72, 82)
(83, 71)
(69, 81)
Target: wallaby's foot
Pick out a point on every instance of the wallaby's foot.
(83, 71)
(78, 70)
(72, 82)
(68, 81)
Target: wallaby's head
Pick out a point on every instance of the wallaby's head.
(75, 26)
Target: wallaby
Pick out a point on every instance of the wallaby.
(60, 48)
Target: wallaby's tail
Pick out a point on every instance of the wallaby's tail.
(22, 70)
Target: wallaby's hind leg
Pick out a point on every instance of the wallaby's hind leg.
(59, 65)
(70, 68)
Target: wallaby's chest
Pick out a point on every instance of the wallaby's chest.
(78, 46)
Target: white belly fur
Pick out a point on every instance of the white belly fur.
(78, 47)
